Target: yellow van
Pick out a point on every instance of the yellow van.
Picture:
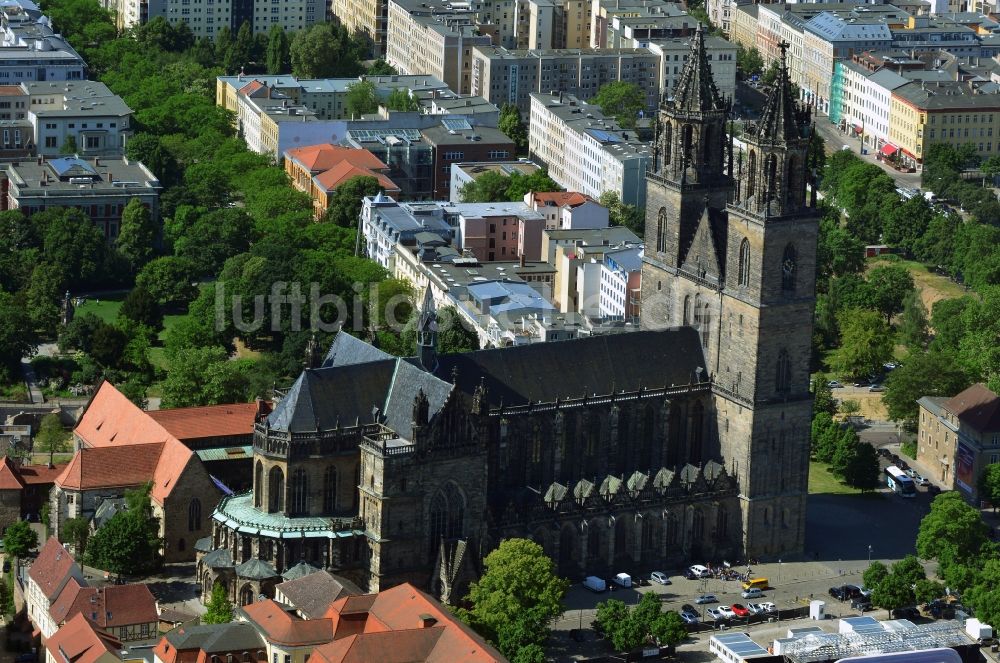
(756, 583)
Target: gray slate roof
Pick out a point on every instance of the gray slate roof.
(255, 569)
(218, 559)
(313, 594)
(300, 570)
(349, 350)
(216, 637)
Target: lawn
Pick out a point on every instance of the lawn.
(822, 481)
(933, 287)
(105, 308)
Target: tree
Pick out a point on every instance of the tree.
(73, 242)
(141, 307)
(521, 184)
(931, 373)
(623, 214)
(913, 327)
(107, 345)
(220, 608)
(325, 51)
(19, 539)
(517, 597)
(512, 126)
(749, 62)
(668, 629)
(168, 280)
(128, 543)
(360, 99)
(888, 286)
(205, 376)
(454, 335)
(988, 485)
(838, 252)
(52, 437)
(611, 619)
(627, 629)
(42, 297)
(866, 343)
(401, 100)
(17, 337)
(910, 569)
(621, 99)
(381, 68)
(953, 531)
(278, 51)
(928, 590)
(823, 400)
(69, 147)
(893, 592)
(875, 574)
(863, 470)
(344, 202)
(75, 532)
(490, 187)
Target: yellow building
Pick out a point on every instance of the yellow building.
(952, 112)
(743, 26)
(367, 18)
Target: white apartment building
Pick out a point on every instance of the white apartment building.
(585, 151)
(867, 101)
(386, 224)
(98, 120)
(568, 210)
(31, 50)
(206, 18)
(674, 52)
(776, 24)
(621, 276)
(720, 13)
(45, 579)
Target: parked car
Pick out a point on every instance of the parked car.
(833, 384)
(687, 607)
(905, 613)
(752, 593)
(845, 592)
(910, 472)
(864, 592)
(740, 610)
(861, 604)
(727, 611)
(716, 614)
(660, 577)
(767, 606)
(706, 598)
(699, 571)
(902, 464)
(861, 383)
(921, 480)
(755, 608)
(690, 617)
(890, 365)
(595, 584)
(876, 388)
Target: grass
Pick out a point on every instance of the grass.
(822, 481)
(105, 308)
(933, 287)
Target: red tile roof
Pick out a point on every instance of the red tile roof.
(561, 198)
(330, 179)
(111, 467)
(51, 568)
(976, 407)
(12, 91)
(112, 420)
(282, 627)
(34, 475)
(401, 611)
(316, 158)
(10, 478)
(191, 423)
(61, 609)
(79, 642)
(115, 605)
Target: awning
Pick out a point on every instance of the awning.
(888, 150)
(858, 128)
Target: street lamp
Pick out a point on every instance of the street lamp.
(869, 555)
(779, 571)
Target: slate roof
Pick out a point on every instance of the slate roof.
(312, 595)
(780, 120)
(203, 544)
(976, 407)
(695, 89)
(209, 638)
(256, 569)
(300, 570)
(346, 350)
(218, 559)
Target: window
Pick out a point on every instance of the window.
(783, 373)
(299, 489)
(93, 142)
(194, 515)
(788, 267)
(330, 489)
(661, 222)
(50, 141)
(744, 270)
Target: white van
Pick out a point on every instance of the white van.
(595, 584)
(623, 580)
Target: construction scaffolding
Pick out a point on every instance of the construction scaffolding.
(894, 636)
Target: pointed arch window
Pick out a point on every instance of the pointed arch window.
(668, 142)
(783, 373)
(744, 270)
(661, 229)
(686, 140)
(686, 321)
(789, 268)
(706, 319)
(258, 484)
(771, 174)
(275, 490)
(751, 175)
(330, 489)
(791, 181)
(299, 492)
(194, 515)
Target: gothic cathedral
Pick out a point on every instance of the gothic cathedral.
(731, 250)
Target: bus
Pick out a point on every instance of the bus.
(898, 482)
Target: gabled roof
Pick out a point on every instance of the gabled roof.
(61, 609)
(347, 349)
(208, 638)
(316, 158)
(282, 627)
(113, 606)
(10, 478)
(561, 198)
(79, 642)
(191, 423)
(976, 407)
(311, 595)
(111, 467)
(411, 646)
(53, 566)
(112, 420)
(330, 179)
(33, 475)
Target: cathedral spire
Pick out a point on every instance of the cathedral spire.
(427, 329)
(695, 90)
(783, 119)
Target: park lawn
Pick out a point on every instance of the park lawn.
(822, 481)
(105, 308)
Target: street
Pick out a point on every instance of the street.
(836, 139)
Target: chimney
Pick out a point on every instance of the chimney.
(427, 621)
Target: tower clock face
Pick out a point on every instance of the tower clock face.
(788, 267)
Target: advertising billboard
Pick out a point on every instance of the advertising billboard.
(965, 462)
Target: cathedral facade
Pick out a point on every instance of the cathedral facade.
(683, 442)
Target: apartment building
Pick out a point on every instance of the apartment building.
(31, 50)
(720, 13)
(48, 575)
(578, 257)
(933, 33)
(586, 151)
(434, 39)
(503, 76)
(319, 169)
(97, 121)
(636, 30)
(101, 187)
(367, 19)
(621, 276)
(721, 54)
(385, 224)
(743, 25)
(469, 171)
(206, 18)
(604, 12)
(568, 210)
(953, 112)
(555, 24)
(867, 101)
(456, 140)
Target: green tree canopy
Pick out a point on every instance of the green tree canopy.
(866, 343)
(381, 68)
(278, 56)
(19, 539)
(628, 629)
(141, 308)
(874, 574)
(893, 592)
(517, 597)
(493, 187)
(862, 470)
(326, 50)
(622, 100)
(360, 99)
(75, 532)
(511, 124)
(219, 607)
(929, 373)
(887, 288)
(52, 437)
(401, 100)
(69, 146)
(988, 484)
(128, 543)
(168, 280)
(344, 203)
(749, 62)
(206, 376)
(623, 214)
(953, 531)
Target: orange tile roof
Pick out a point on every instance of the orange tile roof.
(191, 423)
(61, 609)
(12, 91)
(330, 179)
(316, 158)
(40, 474)
(115, 605)
(10, 479)
(111, 467)
(111, 419)
(399, 611)
(282, 627)
(561, 198)
(51, 569)
(79, 642)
